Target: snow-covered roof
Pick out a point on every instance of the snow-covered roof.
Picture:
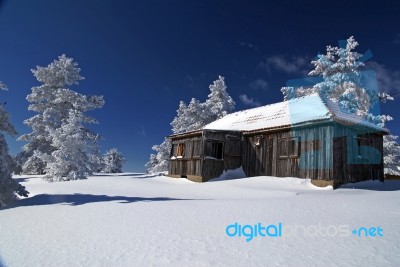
(296, 111)
(350, 118)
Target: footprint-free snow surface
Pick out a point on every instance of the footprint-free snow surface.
(136, 220)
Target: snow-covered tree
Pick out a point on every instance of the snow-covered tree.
(193, 117)
(342, 82)
(391, 155)
(159, 162)
(74, 146)
(391, 148)
(219, 102)
(178, 122)
(293, 92)
(27, 162)
(8, 186)
(196, 115)
(54, 78)
(189, 117)
(59, 144)
(113, 161)
(384, 97)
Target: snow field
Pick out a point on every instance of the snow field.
(131, 220)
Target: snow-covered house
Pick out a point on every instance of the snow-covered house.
(303, 137)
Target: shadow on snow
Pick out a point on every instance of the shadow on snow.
(26, 179)
(133, 175)
(21, 180)
(117, 174)
(387, 185)
(81, 199)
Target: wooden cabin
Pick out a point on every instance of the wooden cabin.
(303, 137)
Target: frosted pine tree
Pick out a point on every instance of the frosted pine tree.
(113, 161)
(74, 145)
(27, 161)
(219, 102)
(391, 155)
(190, 117)
(340, 70)
(292, 92)
(8, 186)
(179, 122)
(196, 115)
(342, 82)
(54, 78)
(193, 117)
(61, 112)
(159, 162)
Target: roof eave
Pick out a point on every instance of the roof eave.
(288, 126)
(376, 128)
(185, 134)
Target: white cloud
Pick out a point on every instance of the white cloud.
(259, 84)
(388, 80)
(249, 101)
(292, 65)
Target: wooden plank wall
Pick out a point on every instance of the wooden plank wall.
(253, 156)
(191, 163)
(232, 151)
(315, 155)
(324, 154)
(348, 165)
(213, 168)
(314, 159)
(194, 161)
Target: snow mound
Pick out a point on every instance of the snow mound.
(267, 182)
(230, 174)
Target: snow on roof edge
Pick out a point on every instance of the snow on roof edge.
(350, 119)
(289, 113)
(280, 114)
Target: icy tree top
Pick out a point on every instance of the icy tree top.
(219, 101)
(337, 60)
(59, 73)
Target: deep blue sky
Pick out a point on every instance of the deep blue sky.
(146, 56)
